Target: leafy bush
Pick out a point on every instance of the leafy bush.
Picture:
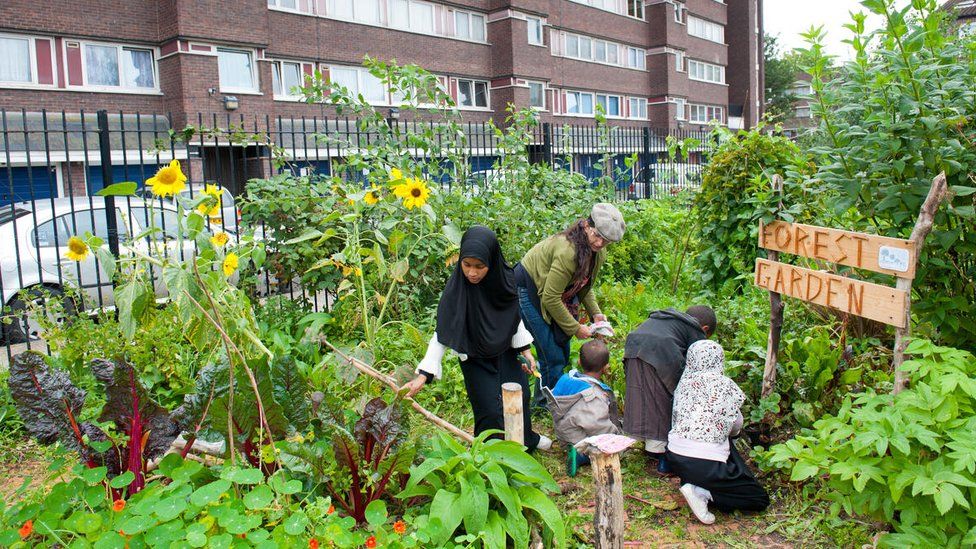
(909, 459)
(493, 489)
(736, 193)
(893, 118)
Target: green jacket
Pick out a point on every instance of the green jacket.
(551, 264)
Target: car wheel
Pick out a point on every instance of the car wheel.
(23, 326)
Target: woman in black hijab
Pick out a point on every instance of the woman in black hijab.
(478, 317)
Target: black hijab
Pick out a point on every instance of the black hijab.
(479, 319)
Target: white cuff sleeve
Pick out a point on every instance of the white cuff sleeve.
(522, 337)
(432, 359)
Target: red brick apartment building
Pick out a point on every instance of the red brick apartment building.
(676, 64)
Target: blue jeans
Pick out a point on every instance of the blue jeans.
(553, 356)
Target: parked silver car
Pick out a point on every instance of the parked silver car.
(229, 216)
(33, 247)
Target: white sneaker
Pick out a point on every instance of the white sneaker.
(545, 443)
(698, 504)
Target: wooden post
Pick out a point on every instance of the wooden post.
(512, 408)
(776, 306)
(608, 519)
(923, 226)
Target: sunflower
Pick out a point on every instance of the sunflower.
(220, 239)
(414, 193)
(396, 175)
(168, 181)
(372, 196)
(212, 205)
(230, 264)
(77, 249)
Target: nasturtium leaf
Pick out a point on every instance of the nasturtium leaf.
(260, 497)
(209, 493)
(376, 513)
(88, 523)
(237, 475)
(123, 480)
(296, 523)
(136, 524)
(94, 475)
(110, 540)
(196, 535)
(170, 508)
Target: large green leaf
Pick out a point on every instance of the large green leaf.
(291, 390)
(132, 299)
(513, 456)
(474, 496)
(446, 507)
(535, 499)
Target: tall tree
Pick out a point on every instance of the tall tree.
(781, 71)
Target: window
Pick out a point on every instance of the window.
(163, 219)
(287, 77)
(706, 72)
(681, 105)
(680, 12)
(610, 104)
(638, 108)
(537, 95)
(679, 61)
(703, 114)
(472, 93)
(236, 69)
(636, 58)
(470, 26)
(579, 103)
(15, 60)
(804, 112)
(600, 51)
(359, 81)
(362, 11)
(94, 221)
(283, 4)
(535, 30)
(119, 67)
(572, 46)
(411, 15)
(341, 9)
(612, 53)
(635, 8)
(585, 48)
(706, 29)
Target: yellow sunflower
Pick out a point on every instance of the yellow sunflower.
(168, 181)
(219, 239)
(77, 249)
(230, 264)
(372, 196)
(396, 174)
(212, 205)
(414, 193)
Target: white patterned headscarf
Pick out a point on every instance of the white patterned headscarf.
(706, 403)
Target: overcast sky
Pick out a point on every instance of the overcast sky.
(788, 18)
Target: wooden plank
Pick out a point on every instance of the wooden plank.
(881, 254)
(852, 296)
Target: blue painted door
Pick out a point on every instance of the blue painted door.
(24, 184)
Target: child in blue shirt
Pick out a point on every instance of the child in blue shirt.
(582, 405)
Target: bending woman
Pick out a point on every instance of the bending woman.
(478, 317)
(554, 277)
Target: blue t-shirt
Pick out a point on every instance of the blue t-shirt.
(573, 382)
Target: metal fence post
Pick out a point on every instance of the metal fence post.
(105, 152)
(646, 161)
(547, 144)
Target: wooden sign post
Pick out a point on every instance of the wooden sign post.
(880, 254)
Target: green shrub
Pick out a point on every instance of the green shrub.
(909, 459)
(737, 193)
(658, 245)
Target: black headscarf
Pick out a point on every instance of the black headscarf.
(479, 319)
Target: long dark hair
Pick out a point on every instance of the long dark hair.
(576, 234)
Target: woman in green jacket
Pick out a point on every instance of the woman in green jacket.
(555, 277)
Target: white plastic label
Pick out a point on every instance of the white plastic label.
(895, 259)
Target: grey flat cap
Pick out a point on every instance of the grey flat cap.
(608, 221)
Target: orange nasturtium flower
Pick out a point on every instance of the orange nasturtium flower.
(313, 544)
(371, 542)
(26, 530)
(168, 181)
(77, 249)
(230, 264)
(118, 505)
(400, 527)
(331, 510)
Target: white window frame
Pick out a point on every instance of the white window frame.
(680, 13)
(640, 56)
(121, 88)
(356, 12)
(474, 106)
(361, 73)
(32, 54)
(256, 87)
(641, 107)
(682, 108)
(710, 113)
(606, 97)
(277, 69)
(588, 55)
(542, 86)
(471, 16)
(610, 6)
(803, 111)
(579, 95)
(276, 5)
(679, 61)
(637, 3)
(535, 23)
(700, 71)
(706, 30)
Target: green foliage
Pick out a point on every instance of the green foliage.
(896, 116)
(493, 489)
(909, 459)
(192, 506)
(737, 193)
(779, 74)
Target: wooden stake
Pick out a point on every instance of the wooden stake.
(512, 409)
(923, 226)
(389, 382)
(608, 519)
(776, 306)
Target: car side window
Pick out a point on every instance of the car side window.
(51, 234)
(164, 219)
(94, 221)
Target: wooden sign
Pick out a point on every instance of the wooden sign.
(852, 296)
(880, 254)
